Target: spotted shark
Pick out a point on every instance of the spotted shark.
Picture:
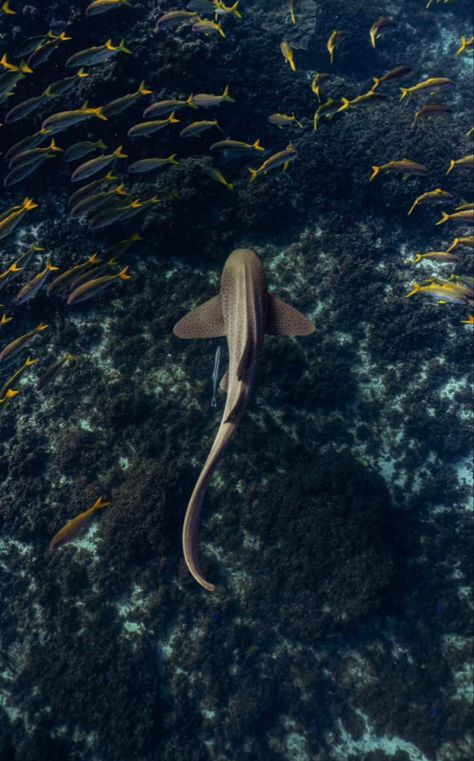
(243, 311)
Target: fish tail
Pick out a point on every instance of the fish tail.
(42, 326)
(253, 174)
(54, 147)
(172, 119)
(412, 208)
(463, 46)
(220, 30)
(416, 288)
(143, 90)
(99, 503)
(292, 64)
(25, 69)
(4, 320)
(82, 74)
(226, 95)
(444, 218)
(452, 164)
(418, 258)
(404, 93)
(29, 204)
(234, 10)
(120, 190)
(190, 102)
(94, 259)
(118, 153)
(345, 104)
(257, 145)
(122, 275)
(29, 361)
(123, 48)
(14, 268)
(375, 172)
(7, 10)
(51, 267)
(376, 82)
(135, 236)
(100, 114)
(172, 159)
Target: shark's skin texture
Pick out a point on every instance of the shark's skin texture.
(243, 311)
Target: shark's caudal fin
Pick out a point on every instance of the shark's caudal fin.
(206, 321)
(285, 320)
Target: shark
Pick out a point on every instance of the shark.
(243, 311)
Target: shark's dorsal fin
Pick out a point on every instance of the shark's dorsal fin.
(224, 382)
(206, 321)
(284, 320)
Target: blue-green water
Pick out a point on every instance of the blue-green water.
(338, 527)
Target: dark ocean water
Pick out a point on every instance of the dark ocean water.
(338, 527)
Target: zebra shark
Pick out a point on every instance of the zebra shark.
(243, 311)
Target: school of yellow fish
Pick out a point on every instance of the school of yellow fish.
(104, 200)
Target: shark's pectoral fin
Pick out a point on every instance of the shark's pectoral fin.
(284, 320)
(224, 382)
(206, 321)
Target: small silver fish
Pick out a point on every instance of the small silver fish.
(215, 376)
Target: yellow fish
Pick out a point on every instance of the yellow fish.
(466, 161)
(404, 166)
(469, 321)
(431, 86)
(333, 43)
(318, 79)
(468, 242)
(467, 215)
(10, 221)
(466, 44)
(287, 54)
(436, 256)
(379, 28)
(431, 195)
(76, 526)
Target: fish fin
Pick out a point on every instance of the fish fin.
(444, 218)
(284, 320)
(122, 47)
(119, 154)
(100, 503)
(226, 95)
(375, 171)
(143, 90)
(205, 321)
(253, 174)
(82, 74)
(122, 275)
(224, 381)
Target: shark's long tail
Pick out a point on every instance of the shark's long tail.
(223, 438)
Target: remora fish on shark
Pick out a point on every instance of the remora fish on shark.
(243, 311)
